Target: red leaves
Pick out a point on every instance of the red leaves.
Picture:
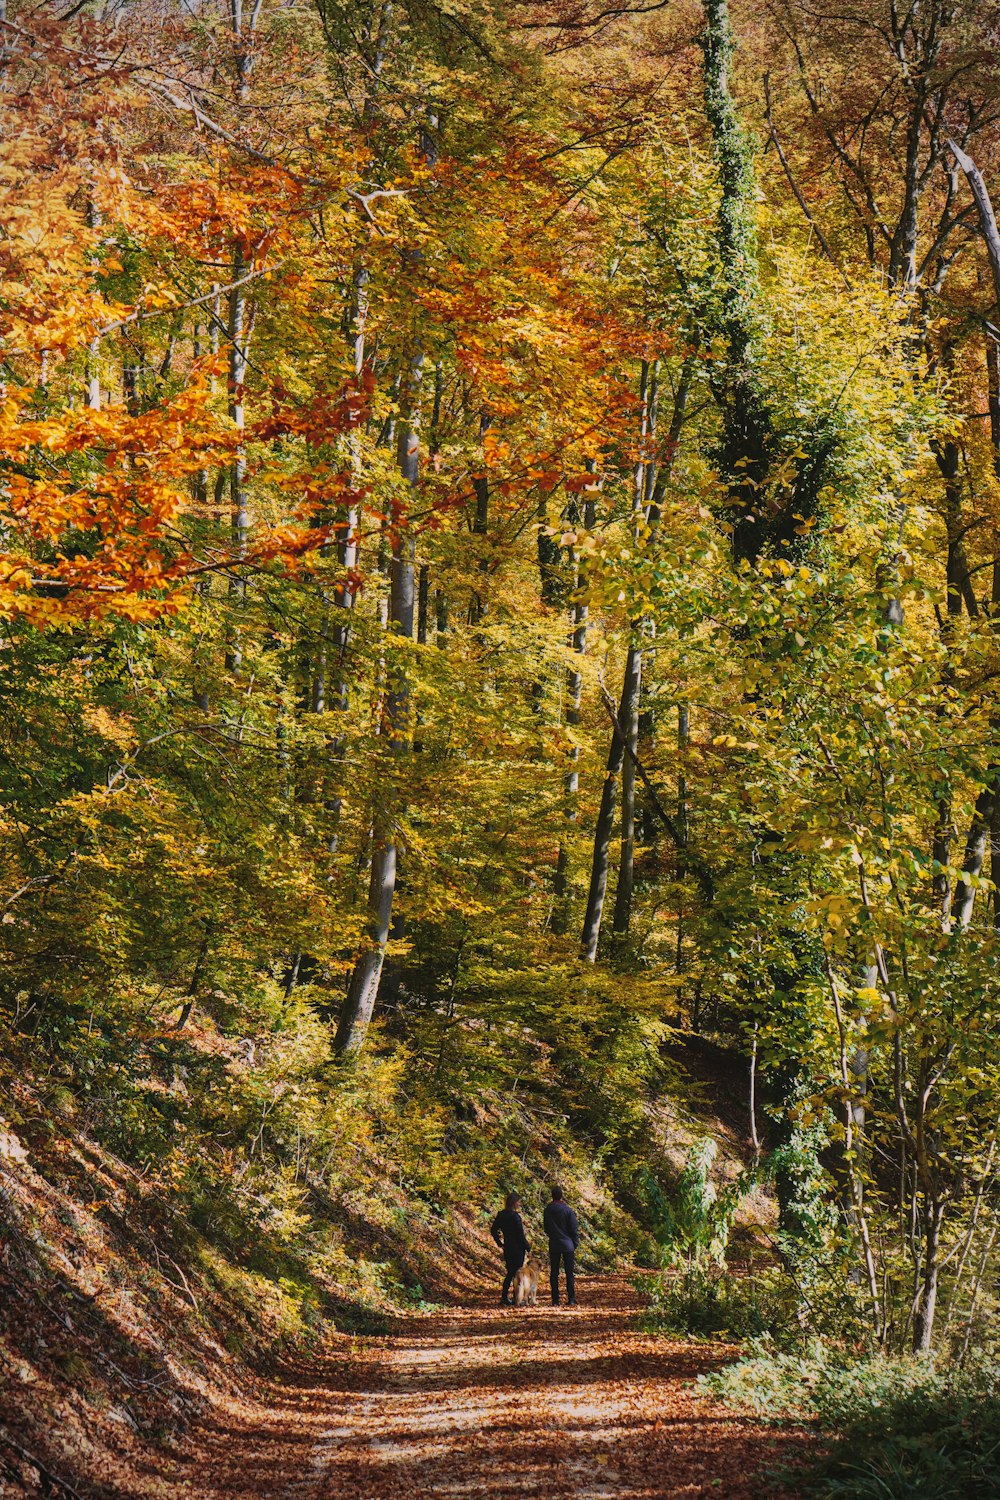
(319, 418)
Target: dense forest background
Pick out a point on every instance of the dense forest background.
(501, 571)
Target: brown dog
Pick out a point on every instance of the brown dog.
(525, 1286)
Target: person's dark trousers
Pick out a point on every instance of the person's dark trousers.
(568, 1259)
(513, 1266)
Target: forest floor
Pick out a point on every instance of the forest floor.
(481, 1401)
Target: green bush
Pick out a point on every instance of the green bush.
(895, 1429)
(709, 1302)
(693, 1223)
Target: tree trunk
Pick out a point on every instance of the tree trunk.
(606, 814)
(903, 249)
(746, 422)
(958, 580)
(237, 474)
(987, 217)
(975, 849)
(346, 531)
(993, 390)
(646, 506)
(923, 1320)
(480, 528)
(571, 780)
(92, 374)
(626, 868)
(683, 729)
(991, 237)
(643, 461)
(652, 414)
(574, 695)
(362, 990)
(423, 602)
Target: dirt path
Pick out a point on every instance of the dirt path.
(483, 1402)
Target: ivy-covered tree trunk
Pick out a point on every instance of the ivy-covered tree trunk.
(746, 425)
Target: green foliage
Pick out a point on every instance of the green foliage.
(695, 1292)
(193, 795)
(712, 1302)
(694, 1220)
(893, 1428)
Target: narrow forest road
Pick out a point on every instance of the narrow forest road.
(480, 1401)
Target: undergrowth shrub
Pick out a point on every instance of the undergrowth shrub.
(894, 1429)
(808, 1293)
(711, 1302)
(695, 1292)
(692, 1224)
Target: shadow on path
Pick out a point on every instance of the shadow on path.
(486, 1402)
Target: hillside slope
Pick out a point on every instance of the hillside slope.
(127, 1314)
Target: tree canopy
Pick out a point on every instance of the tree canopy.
(500, 567)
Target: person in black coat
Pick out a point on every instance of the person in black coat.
(559, 1222)
(508, 1231)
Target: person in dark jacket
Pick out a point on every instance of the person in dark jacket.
(560, 1225)
(508, 1231)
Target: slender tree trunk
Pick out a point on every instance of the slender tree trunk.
(338, 632)
(606, 814)
(975, 849)
(683, 729)
(646, 506)
(993, 389)
(626, 868)
(958, 580)
(237, 474)
(423, 602)
(347, 528)
(93, 371)
(644, 485)
(574, 696)
(754, 1135)
(903, 249)
(480, 528)
(653, 412)
(644, 459)
(362, 990)
(192, 990)
(991, 238)
(923, 1320)
(239, 335)
(376, 40)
